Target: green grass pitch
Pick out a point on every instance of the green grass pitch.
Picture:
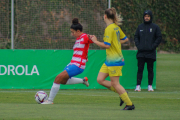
(162, 104)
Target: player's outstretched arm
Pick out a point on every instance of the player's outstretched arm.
(100, 44)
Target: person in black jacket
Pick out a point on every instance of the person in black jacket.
(147, 38)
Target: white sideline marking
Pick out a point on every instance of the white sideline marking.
(22, 91)
(115, 95)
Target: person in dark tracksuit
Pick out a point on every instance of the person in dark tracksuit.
(147, 38)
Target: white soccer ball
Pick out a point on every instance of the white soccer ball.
(41, 96)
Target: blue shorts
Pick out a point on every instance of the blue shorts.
(73, 70)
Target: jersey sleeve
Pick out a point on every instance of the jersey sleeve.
(108, 37)
(122, 35)
(86, 40)
(90, 41)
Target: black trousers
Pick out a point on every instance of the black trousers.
(150, 64)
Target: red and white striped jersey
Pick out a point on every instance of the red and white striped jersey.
(80, 48)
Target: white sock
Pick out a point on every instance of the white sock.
(53, 92)
(74, 80)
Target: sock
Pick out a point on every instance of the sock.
(125, 98)
(112, 89)
(53, 92)
(74, 80)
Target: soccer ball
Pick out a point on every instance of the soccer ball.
(41, 96)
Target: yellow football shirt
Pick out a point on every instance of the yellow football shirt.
(112, 36)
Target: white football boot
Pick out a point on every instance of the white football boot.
(138, 88)
(85, 81)
(150, 88)
(47, 102)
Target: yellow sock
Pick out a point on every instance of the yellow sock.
(112, 89)
(125, 98)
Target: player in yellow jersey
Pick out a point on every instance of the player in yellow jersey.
(113, 38)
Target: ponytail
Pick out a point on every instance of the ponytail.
(112, 14)
(117, 19)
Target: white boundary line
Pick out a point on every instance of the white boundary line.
(85, 91)
(91, 94)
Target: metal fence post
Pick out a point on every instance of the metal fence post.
(12, 24)
(109, 3)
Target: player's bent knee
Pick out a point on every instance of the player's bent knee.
(60, 79)
(114, 84)
(57, 79)
(64, 81)
(100, 81)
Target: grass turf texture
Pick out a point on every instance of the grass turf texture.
(163, 104)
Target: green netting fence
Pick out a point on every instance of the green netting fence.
(44, 24)
(4, 24)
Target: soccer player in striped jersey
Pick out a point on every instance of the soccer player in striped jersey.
(113, 38)
(77, 64)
